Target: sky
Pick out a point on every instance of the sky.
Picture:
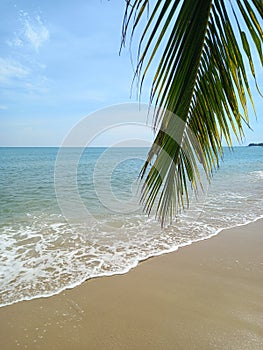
(59, 62)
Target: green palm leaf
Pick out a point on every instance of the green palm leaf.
(200, 89)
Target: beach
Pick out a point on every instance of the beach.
(208, 295)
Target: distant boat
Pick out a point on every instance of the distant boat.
(255, 144)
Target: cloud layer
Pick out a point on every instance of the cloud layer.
(10, 70)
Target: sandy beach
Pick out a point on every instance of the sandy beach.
(205, 296)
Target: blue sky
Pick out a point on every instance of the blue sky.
(59, 62)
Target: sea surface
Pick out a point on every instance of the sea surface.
(63, 222)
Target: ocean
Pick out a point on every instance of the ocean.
(63, 221)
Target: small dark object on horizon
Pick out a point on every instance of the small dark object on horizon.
(255, 144)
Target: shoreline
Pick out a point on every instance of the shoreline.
(130, 268)
(207, 295)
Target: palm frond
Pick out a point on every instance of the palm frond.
(200, 88)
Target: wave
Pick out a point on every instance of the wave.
(68, 279)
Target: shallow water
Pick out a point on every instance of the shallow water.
(47, 247)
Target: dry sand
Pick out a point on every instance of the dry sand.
(205, 296)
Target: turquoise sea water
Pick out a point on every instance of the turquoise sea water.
(47, 244)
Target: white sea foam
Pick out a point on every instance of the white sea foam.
(257, 174)
(40, 265)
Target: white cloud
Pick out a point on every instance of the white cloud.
(21, 69)
(10, 69)
(35, 32)
(32, 32)
(29, 80)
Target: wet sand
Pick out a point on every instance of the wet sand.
(205, 296)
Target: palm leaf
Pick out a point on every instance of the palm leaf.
(200, 88)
